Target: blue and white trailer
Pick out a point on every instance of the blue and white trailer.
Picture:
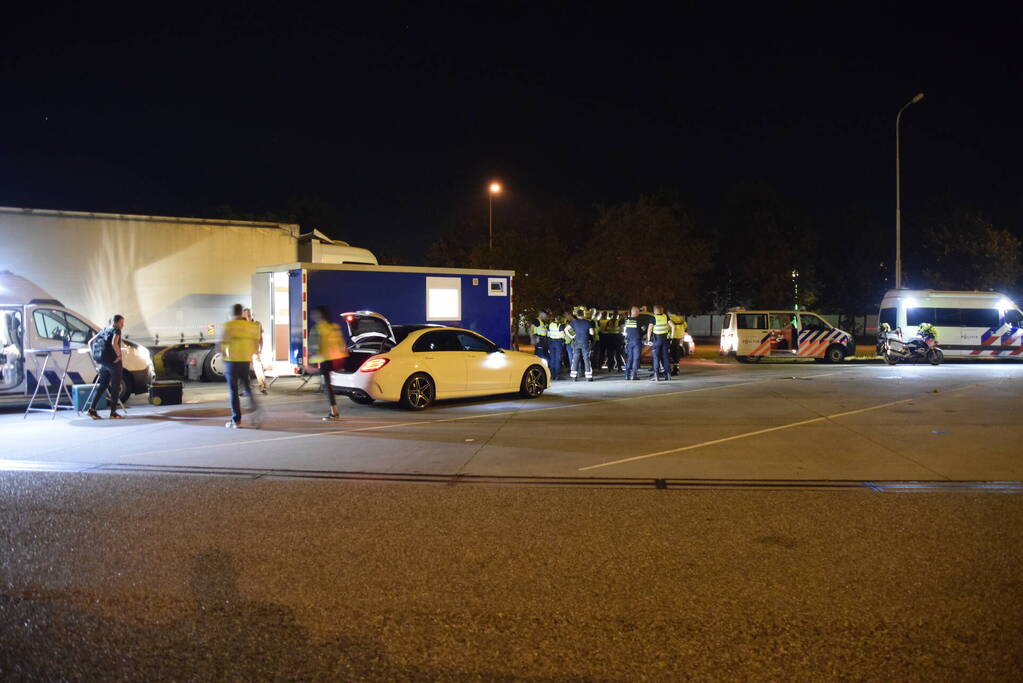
(283, 296)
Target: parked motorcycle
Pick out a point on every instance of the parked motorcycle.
(923, 346)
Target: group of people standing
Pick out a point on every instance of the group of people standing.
(611, 340)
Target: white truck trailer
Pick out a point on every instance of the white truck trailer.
(174, 279)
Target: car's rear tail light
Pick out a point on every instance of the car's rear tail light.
(374, 364)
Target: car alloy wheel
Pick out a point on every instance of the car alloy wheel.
(418, 392)
(533, 382)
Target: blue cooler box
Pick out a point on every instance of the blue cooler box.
(80, 394)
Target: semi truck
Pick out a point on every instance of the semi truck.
(174, 279)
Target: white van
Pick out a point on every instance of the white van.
(970, 324)
(32, 319)
(752, 335)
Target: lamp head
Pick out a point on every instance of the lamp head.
(495, 188)
(917, 97)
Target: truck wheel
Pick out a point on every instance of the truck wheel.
(742, 359)
(127, 387)
(533, 382)
(418, 392)
(835, 354)
(213, 367)
(362, 400)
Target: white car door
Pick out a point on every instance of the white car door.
(443, 358)
(487, 367)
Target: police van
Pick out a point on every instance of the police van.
(753, 335)
(31, 319)
(969, 324)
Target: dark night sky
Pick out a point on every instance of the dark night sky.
(400, 117)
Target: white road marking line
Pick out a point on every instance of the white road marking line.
(440, 420)
(766, 430)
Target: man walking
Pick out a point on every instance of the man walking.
(538, 335)
(239, 344)
(659, 332)
(327, 351)
(105, 348)
(580, 331)
(633, 343)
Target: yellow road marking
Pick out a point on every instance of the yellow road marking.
(766, 430)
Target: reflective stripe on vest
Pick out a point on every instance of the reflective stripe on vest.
(631, 324)
(554, 332)
(661, 324)
(540, 330)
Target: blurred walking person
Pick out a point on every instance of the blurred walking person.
(659, 332)
(538, 335)
(239, 344)
(257, 358)
(327, 351)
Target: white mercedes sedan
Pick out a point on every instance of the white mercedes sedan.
(417, 364)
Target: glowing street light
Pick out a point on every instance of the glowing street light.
(898, 193)
(495, 188)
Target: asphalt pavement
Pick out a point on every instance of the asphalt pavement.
(155, 577)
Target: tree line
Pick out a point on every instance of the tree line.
(755, 250)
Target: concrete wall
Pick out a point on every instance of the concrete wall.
(167, 276)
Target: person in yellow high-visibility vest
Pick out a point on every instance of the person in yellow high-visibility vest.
(677, 349)
(659, 332)
(327, 350)
(238, 343)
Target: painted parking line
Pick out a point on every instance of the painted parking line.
(767, 430)
(474, 416)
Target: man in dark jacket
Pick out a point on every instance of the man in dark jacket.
(106, 353)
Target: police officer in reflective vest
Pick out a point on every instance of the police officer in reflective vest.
(677, 350)
(660, 331)
(633, 343)
(580, 331)
(539, 336)
(555, 346)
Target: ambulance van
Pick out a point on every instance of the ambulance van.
(753, 335)
(32, 319)
(969, 324)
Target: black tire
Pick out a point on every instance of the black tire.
(835, 353)
(534, 381)
(742, 359)
(890, 358)
(213, 366)
(127, 387)
(418, 392)
(935, 356)
(362, 400)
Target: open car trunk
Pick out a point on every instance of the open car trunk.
(368, 334)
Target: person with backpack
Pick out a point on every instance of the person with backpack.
(105, 350)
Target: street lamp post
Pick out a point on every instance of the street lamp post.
(898, 192)
(495, 188)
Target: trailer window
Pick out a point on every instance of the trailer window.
(980, 317)
(752, 321)
(444, 298)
